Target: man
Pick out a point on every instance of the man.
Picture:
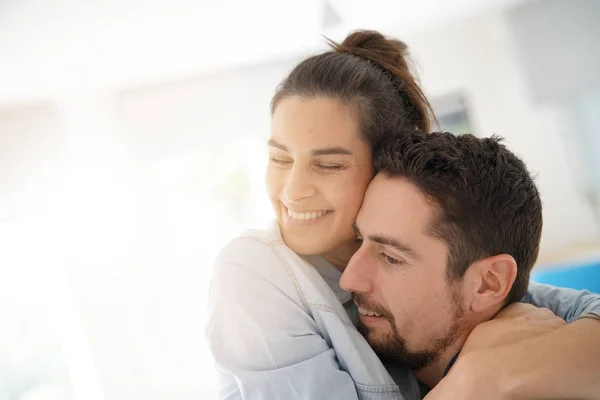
(451, 224)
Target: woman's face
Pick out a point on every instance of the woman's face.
(318, 171)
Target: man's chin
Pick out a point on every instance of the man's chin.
(377, 340)
(391, 347)
(383, 343)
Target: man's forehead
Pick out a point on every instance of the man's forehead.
(394, 204)
(398, 211)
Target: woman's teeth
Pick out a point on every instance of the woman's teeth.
(307, 216)
(367, 312)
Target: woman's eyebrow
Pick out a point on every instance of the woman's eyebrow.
(317, 152)
(274, 143)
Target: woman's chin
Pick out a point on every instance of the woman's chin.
(305, 246)
(339, 250)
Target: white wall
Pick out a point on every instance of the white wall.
(49, 47)
(478, 57)
(121, 182)
(144, 305)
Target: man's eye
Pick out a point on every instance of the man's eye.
(390, 260)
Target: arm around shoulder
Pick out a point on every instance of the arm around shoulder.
(565, 303)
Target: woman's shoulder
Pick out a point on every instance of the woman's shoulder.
(253, 242)
(260, 260)
(268, 236)
(259, 250)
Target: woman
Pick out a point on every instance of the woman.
(280, 326)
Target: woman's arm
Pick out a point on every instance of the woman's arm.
(565, 363)
(567, 304)
(561, 364)
(263, 339)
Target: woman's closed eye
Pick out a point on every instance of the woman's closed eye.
(279, 161)
(329, 167)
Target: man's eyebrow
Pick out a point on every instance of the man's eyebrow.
(401, 247)
(331, 150)
(317, 152)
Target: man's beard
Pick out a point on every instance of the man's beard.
(392, 347)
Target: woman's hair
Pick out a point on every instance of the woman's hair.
(369, 73)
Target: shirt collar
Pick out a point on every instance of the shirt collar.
(451, 363)
(331, 275)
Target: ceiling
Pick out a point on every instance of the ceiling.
(67, 45)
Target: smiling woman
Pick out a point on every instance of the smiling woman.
(327, 117)
(318, 167)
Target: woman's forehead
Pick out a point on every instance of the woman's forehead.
(305, 125)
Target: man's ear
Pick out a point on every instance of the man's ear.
(492, 278)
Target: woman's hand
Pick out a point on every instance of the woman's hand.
(478, 372)
(516, 322)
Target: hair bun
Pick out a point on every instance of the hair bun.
(373, 46)
(391, 57)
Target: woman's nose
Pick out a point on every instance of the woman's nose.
(298, 185)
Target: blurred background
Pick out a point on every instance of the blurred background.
(132, 147)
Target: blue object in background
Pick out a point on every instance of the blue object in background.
(584, 275)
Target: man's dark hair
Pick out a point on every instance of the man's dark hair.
(487, 202)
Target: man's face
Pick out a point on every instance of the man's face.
(409, 310)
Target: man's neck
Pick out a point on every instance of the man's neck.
(432, 374)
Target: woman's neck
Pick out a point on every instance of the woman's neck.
(340, 256)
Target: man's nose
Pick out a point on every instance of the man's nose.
(357, 276)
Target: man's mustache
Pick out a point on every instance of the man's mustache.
(363, 302)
